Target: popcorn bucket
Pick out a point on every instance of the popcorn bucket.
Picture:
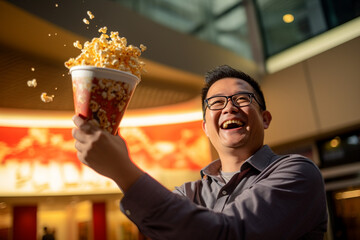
(101, 95)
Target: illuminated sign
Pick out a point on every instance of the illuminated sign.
(42, 161)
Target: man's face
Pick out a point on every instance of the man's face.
(247, 124)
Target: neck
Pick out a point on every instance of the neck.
(231, 161)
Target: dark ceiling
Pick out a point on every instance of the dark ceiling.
(24, 44)
(53, 78)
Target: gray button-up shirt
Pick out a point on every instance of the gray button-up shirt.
(272, 197)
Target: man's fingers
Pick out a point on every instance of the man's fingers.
(78, 146)
(81, 152)
(78, 121)
(81, 158)
(78, 135)
(84, 125)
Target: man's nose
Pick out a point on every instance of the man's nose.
(230, 106)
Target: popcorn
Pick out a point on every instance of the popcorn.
(91, 16)
(78, 45)
(32, 83)
(109, 52)
(103, 30)
(103, 99)
(142, 47)
(45, 98)
(86, 21)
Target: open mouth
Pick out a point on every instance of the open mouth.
(231, 124)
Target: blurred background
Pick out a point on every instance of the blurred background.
(304, 53)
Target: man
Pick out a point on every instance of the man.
(249, 193)
(47, 235)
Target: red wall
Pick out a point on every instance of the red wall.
(24, 222)
(99, 220)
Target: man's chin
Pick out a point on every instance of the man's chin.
(234, 140)
(234, 144)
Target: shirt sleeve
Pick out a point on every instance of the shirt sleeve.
(162, 214)
(287, 204)
(278, 208)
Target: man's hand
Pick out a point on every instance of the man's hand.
(105, 153)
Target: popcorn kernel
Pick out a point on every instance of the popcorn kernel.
(103, 30)
(32, 83)
(78, 45)
(45, 98)
(91, 16)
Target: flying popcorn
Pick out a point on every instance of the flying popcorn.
(78, 45)
(109, 52)
(45, 98)
(103, 100)
(86, 21)
(91, 16)
(32, 83)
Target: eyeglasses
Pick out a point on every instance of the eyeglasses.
(241, 99)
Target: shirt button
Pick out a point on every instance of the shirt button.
(224, 192)
(127, 212)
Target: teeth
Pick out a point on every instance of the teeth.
(226, 124)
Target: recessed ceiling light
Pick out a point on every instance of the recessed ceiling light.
(288, 18)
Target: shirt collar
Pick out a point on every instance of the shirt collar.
(213, 169)
(260, 160)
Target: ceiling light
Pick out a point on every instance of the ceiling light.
(288, 18)
(173, 114)
(335, 142)
(348, 194)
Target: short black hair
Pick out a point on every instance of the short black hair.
(225, 71)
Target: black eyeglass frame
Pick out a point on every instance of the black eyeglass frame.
(251, 96)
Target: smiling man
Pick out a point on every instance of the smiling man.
(234, 118)
(248, 193)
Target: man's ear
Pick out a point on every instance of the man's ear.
(204, 128)
(266, 118)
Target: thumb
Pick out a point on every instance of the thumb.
(84, 125)
(78, 121)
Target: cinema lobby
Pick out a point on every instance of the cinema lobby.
(305, 54)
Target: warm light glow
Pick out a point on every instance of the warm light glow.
(83, 211)
(40, 174)
(165, 147)
(55, 179)
(128, 121)
(189, 111)
(178, 113)
(37, 153)
(24, 170)
(71, 174)
(334, 143)
(314, 46)
(43, 160)
(347, 194)
(35, 118)
(160, 119)
(3, 205)
(288, 18)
